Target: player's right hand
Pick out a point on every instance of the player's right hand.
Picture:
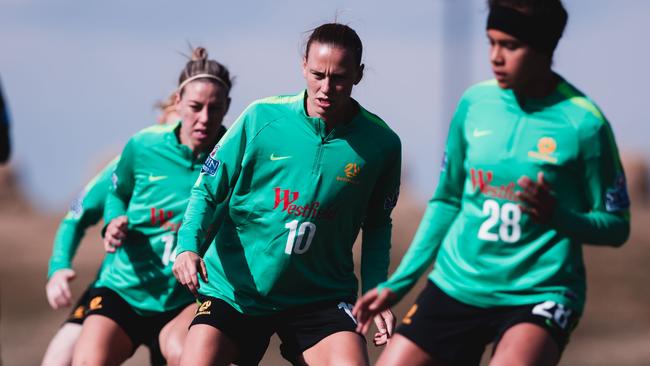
(115, 233)
(187, 267)
(370, 304)
(58, 288)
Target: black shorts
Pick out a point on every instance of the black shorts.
(457, 333)
(140, 329)
(78, 313)
(298, 328)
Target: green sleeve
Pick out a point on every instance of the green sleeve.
(123, 181)
(212, 188)
(607, 220)
(441, 211)
(377, 226)
(86, 211)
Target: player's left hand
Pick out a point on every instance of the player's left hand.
(385, 322)
(539, 201)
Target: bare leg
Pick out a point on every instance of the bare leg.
(61, 348)
(341, 348)
(173, 334)
(102, 342)
(402, 351)
(208, 346)
(526, 344)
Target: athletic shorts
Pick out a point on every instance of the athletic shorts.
(457, 333)
(140, 329)
(298, 328)
(78, 313)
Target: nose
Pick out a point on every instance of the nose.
(496, 57)
(203, 115)
(326, 85)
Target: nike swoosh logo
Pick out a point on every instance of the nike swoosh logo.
(274, 158)
(155, 178)
(480, 133)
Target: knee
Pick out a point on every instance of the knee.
(172, 350)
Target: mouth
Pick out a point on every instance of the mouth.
(500, 75)
(323, 102)
(200, 134)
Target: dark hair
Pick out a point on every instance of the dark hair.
(550, 12)
(199, 64)
(337, 34)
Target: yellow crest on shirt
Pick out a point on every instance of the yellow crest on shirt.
(546, 146)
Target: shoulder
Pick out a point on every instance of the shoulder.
(378, 131)
(274, 105)
(481, 91)
(580, 110)
(153, 135)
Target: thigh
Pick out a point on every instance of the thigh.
(173, 334)
(240, 337)
(526, 344)
(309, 334)
(102, 342)
(537, 333)
(402, 351)
(208, 346)
(59, 351)
(449, 331)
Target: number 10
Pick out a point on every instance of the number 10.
(295, 242)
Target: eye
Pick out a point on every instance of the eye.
(318, 75)
(196, 107)
(511, 45)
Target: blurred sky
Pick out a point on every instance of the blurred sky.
(80, 77)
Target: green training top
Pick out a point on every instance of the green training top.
(151, 186)
(84, 212)
(296, 197)
(489, 253)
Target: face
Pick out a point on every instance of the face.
(201, 109)
(515, 64)
(331, 72)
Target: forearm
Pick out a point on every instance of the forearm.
(435, 223)
(196, 221)
(375, 256)
(598, 228)
(66, 242)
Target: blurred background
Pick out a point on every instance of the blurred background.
(80, 77)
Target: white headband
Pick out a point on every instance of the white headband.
(202, 76)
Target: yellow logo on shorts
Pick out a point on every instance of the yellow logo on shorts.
(78, 312)
(203, 309)
(96, 303)
(407, 318)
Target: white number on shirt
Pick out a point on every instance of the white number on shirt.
(296, 242)
(509, 214)
(169, 254)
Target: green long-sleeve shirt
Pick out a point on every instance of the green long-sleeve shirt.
(151, 186)
(487, 251)
(84, 212)
(296, 198)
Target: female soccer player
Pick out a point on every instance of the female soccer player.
(136, 297)
(531, 172)
(300, 175)
(86, 211)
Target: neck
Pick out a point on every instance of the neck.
(538, 87)
(342, 117)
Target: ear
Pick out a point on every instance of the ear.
(177, 100)
(227, 106)
(359, 74)
(304, 67)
